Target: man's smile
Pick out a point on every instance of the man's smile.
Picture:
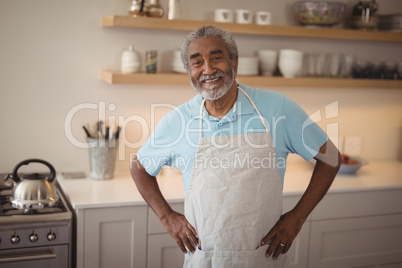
(211, 80)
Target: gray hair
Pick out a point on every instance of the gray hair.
(207, 31)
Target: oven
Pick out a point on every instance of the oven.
(35, 237)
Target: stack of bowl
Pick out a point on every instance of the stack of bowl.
(177, 65)
(247, 66)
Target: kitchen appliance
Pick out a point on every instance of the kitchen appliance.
(34, 236)
(34, 190)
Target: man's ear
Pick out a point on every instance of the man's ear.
(235, 65)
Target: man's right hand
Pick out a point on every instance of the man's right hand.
(175, 223)
(181, 230)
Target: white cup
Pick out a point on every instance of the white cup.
(290, 62)
(244, 16)
(263, 18)
(268, 61)
(224, 15)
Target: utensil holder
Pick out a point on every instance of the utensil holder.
(102, 158)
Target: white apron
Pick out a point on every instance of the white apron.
(233, 200)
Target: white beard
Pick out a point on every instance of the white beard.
(211, 92)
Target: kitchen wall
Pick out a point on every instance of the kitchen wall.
(52, 52)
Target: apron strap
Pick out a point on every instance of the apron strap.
(201, 109)
(234, 107)
(255, 107)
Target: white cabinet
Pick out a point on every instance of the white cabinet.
(298, 252)
(112, 237)
(361, 229)
(356, 242)
(347, 229)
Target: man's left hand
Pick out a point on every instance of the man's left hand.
(282, 235)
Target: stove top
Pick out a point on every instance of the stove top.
(6, 209)
(8, 212)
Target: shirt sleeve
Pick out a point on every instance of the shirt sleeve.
(158, 150)
(302, 135)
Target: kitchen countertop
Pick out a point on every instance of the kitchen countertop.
(121, 190)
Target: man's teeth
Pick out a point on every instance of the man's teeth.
(211, 80)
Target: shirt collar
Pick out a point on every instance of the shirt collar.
(242, 105)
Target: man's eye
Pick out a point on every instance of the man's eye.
(217, 58)
(197, 62)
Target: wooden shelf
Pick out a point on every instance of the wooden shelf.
(276, 30)
(116, 77)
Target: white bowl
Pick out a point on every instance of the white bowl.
(247, 71)
(290, 68)
(248, 60)
(247, 66)
(291, 54)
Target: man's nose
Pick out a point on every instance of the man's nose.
(208, 68)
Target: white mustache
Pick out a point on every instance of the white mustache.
(212, 76)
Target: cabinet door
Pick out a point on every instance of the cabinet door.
(115, 237)
(298, 252)
(356, 242)
(164, 252)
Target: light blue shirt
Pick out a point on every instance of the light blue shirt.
(175, 138)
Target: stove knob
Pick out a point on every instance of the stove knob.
(51, 236)
(15, 239)
(33, 238)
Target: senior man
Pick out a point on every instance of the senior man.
(231, 143)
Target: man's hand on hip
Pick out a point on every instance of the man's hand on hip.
(282, 235)
(181, 230)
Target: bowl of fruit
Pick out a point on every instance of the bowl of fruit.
(351, 164)
(319, 14)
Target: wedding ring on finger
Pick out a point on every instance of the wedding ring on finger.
(281, 244)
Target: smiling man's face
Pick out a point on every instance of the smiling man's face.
(212, 73)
